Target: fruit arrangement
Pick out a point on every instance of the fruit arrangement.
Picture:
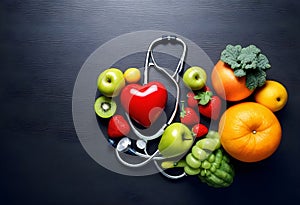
(248, 129)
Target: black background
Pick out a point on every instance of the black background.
(43, 45)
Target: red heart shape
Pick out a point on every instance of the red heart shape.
(145, 103)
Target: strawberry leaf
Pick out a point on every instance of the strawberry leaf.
(182, 112)
(203, 97)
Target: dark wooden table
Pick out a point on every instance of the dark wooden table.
(43, 45)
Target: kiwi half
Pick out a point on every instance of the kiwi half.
(105, 107)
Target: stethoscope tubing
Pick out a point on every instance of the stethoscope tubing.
(149, 158)
(175, 79)
(150, 54)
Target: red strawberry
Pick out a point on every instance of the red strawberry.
(209, 105)
(205, 88)
(188, 116)
(117, 127)
(199, 130)
(191, 101)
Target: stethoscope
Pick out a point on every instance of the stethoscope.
(124, 145)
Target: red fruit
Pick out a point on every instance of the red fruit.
(189, 116)
(191, 101)
(209, 105)
(205, 88)
(117, 127)
(199, 130)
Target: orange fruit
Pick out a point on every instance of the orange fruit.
(273, 95)
(227, 85)
(249, 131)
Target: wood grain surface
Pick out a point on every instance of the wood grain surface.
(43, 45)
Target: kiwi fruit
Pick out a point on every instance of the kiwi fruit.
(105, 107)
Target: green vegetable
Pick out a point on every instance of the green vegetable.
(191, 171)
(249, 62)
(208, 161)
(218, 173)
(192, 161)
(199, 153)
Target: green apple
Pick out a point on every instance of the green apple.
(176, 140)
(110, 82)
(195, 77)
